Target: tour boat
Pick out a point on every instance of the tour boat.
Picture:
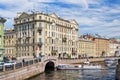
(109, 62)
(91, 66)
(68, 66)
(79, 67)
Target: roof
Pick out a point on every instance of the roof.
(2, 20)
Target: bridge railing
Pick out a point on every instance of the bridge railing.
(19, 65)
(49, 58)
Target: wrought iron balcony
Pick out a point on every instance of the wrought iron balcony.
(64, 39)
(39, 29)
(19, 37)
(39, 43)
(28, 36)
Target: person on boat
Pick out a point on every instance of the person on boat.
(87, 61)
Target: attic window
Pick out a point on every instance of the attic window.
(28, 19)
(16, 22)
(24, 20)
(40, 17)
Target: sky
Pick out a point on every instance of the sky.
(93, 16)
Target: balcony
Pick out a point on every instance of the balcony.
(28, 36)
(19, 36)
(64, 39)
(39, 43)
(54, 52)
(39, 29)
(74, 51)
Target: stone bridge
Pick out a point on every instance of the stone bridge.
(36, 66)
(28, 69)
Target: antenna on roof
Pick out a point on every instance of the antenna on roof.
(33, 5)
(46, 8)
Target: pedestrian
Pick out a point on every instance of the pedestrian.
(23, 60)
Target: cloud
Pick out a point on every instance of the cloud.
(77, 2)
(95, 16)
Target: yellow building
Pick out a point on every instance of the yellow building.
(94, 44)
(46, 34)
(101, 46)
(86, 48)
(9, 43)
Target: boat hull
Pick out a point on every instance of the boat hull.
(78, 67)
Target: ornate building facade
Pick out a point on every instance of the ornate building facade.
(99, 45)
(114, 47)
(2, 21)
(9, 43)
(39, 33)
(86, 48)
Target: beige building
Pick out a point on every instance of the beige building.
(101, 46)
(98, 46)
(9, 43)
(86, 48)
(114, 47)
(44, 33)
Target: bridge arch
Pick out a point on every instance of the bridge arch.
(50, 64)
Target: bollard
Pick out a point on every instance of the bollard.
(3, 68)
(118, 61)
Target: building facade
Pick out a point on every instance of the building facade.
(2, 21)
(101, 46)
(86, 48)
(114, 47)
(9, 43)
(46, 34)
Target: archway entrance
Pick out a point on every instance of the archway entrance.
(49, 66)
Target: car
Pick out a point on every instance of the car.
(9, 64)
(1, 65)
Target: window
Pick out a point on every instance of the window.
(33, 26)
(40, 48)
(40, 17)
(33, 40)
(40, 40)
(0, 40)
(33, 33)
(33, 48)
(40, 24)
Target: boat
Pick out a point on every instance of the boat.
(68, 67)
(109, 62)
(91, 66)
(79, 67)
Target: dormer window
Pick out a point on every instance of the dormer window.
(40, 17)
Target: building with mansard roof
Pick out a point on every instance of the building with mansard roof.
(101, 44)
(47, 34)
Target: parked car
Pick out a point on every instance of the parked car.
(9, 64)
(1, 64)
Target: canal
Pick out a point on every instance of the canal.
(106, 74)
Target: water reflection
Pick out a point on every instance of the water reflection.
(77, 75)
(51, 74)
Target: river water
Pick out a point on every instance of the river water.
(107, 74)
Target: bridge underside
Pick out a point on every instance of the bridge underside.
(50, 66)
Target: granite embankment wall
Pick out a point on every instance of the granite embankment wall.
(23, 73)
(38, 67)
(118, 72)
(27, 69)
